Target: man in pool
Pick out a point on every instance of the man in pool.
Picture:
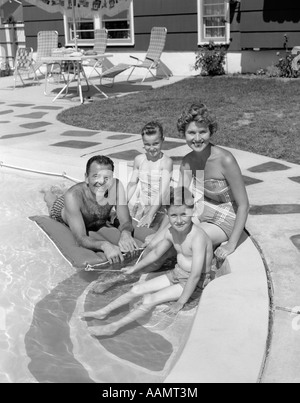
(86, 209)
(194, 255)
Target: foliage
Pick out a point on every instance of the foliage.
(284, 64)
(210, 59)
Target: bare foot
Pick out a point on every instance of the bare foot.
(101, 314)
(107, 330)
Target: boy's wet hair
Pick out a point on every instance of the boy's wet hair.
(181, 196)
(197, 112)
(101, 160)
(152, 128)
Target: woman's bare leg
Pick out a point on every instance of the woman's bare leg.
(216, 234)
(171, 293)
(137, 290)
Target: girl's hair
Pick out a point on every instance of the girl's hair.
(198, 113)
(152, 128)
(181, 196)
(101, 160)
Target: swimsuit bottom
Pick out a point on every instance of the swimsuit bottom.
(180, 276)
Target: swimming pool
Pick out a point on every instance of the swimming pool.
(42, 335)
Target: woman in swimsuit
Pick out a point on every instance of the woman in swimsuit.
(216, 180)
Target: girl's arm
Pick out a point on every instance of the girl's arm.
(131, 187)
(167, 172)
(233, 175)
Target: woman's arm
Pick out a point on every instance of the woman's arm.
(233, 175)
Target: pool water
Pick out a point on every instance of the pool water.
(42, 335)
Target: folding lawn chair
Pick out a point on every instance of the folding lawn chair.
(24, 65)
(46, 42)
(152, 59)
(100, 44)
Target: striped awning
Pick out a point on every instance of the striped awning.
(83, 8)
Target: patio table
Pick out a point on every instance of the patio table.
(79, 72)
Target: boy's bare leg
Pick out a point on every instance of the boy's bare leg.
(171, 293)
(137, 290)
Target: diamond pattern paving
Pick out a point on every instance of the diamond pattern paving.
(250, 181)
(48, 108)
(34, 115)
(275, 209)
(78, 133)
(126, 155)
(12, 136)
(35, 125)
(75, 144)
(269, 167)
(22, 105)
(6, 112)
(296, 241)
(295, 179)
(119, 137)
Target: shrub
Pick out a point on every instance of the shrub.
(211, 60)
(285, 68)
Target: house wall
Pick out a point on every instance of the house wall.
(255, 24)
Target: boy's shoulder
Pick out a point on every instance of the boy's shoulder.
(139, 159)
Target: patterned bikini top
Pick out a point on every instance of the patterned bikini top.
(217, 190)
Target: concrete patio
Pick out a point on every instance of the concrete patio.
(262, 317)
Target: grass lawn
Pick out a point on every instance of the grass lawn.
(254, 114)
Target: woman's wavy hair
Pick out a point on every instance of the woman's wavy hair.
(198, 113)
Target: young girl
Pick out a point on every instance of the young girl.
(150, 181)
(194, 255)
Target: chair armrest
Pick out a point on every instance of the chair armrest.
(136, 58)
(149, 58)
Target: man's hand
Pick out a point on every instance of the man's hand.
(127, 243)
(112, 253)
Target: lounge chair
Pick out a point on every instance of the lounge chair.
(100, 44)
(46, 42)
(24, 65)
(151, 61)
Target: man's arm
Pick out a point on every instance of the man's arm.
(74, 219)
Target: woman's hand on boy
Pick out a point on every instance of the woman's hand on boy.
(223, 251)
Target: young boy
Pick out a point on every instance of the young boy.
(152, 172)
(194, 256)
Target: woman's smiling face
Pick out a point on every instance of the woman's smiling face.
(197, 136)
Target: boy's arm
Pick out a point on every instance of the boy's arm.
(199, 247)
(159, 250)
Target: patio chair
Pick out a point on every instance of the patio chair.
(46, 42)
(100, 44)
(151, 61)
(24, 65)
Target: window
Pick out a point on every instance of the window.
(213, 24)
(120, 29)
